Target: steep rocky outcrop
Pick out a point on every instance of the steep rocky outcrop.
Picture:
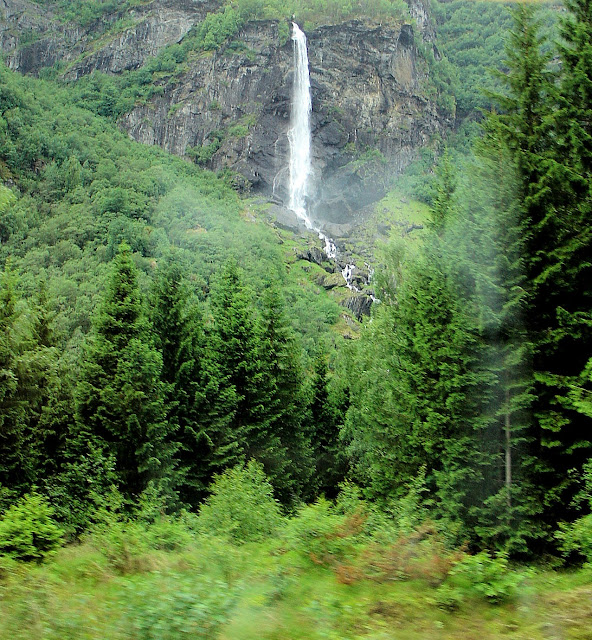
(231, 108)
(33, 36)
(370, 113)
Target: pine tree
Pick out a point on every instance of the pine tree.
(29, 384)
(178, 327)
(547, 130)
(232, 373)
(46, 390)
(416, 391)
(563, 293)
(486, 239)
(15, 461)
(120, 398)
(288, 460)
(443, 200)
(325, 420)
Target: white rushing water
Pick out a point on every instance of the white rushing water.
(299, 137)
(300, 140)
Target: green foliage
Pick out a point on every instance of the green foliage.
(546, 117)
(576, 538)
(241, 505)
(7, 200)
(129, 540)
(217, 28)
(85, 12)
(287, 454)
(28, 530)
(120, 398)
(480, 576)
(313, 12)
(177, 324)
(204, 153)
(471, 36)
(314, 533)
(177, 606)
(326, 418)
(445, 384)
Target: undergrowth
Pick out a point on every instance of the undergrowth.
(338, 569)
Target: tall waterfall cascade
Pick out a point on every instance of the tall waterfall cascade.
(300, 141)
(299, 138)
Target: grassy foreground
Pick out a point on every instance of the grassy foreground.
(317, 578)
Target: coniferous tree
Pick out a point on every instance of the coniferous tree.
(15, 463)
(325, 420)
(486, 239)
(562, 292)
(178, 328)
(252, 403)
(120, 410)
(288, 463)
(47, 391)
(443, 200)
(413, 403)
(29, 391)
(546, 129)
(233, 373)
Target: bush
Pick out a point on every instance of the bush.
(325, 534)
(420, 554)
(28, 531)
(576, 538)
(176, 606)
(128, 541)
(480, 576)
(241, 505)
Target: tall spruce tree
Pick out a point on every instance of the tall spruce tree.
(486, 240)
(326, 419)
(563, 289)
(15, 461)
(120, 403)
(546, 128)
(413, 402)
(46, 390)
(289, 464)
(232, 406)
(178, 327)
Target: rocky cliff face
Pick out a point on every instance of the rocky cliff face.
(231, 108)
(33, 36)
(370, 113)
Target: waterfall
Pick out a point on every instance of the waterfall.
(299, 138)
(299, 134)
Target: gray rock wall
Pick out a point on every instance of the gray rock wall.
(370, 110)
(368, 96)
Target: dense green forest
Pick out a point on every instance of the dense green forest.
(188, 444)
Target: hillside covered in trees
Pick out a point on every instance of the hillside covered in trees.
(201, 435)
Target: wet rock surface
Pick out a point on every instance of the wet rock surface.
(370, 111)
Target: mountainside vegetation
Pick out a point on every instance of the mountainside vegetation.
(189, 445)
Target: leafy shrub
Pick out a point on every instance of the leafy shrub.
(218, 27)
(241, 505)
(128, 541)
(576, 538)
(480, 576)
(324, 535)
(28, 531)
(176, 606)
(420, 554)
